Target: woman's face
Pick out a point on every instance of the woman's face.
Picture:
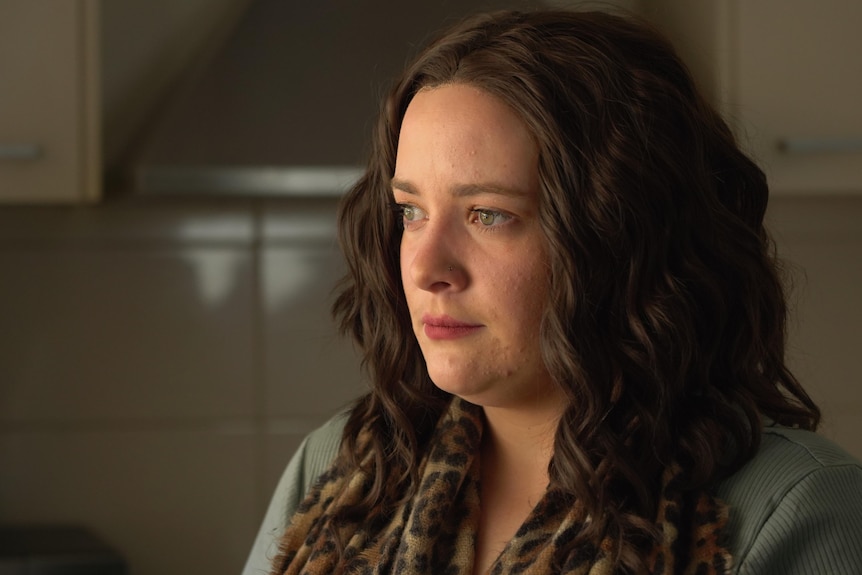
(473, 258)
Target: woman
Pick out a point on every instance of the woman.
(574, 328)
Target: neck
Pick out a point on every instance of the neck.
(520, 438)
(517, 445)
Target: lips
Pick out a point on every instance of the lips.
(445, 327)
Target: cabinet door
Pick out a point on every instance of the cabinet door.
(48, 125)
(798, 85)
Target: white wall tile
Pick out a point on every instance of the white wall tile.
(172, 501)
(310, 371)
(308, 368)
(126, 333)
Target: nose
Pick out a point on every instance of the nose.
(435, 257)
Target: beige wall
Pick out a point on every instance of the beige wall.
(146, 47)
(160, 361)
(820, 239)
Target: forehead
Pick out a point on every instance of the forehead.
(465, 106)
(465, 134)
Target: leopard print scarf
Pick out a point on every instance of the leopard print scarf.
(434, 532)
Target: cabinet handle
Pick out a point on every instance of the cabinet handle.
(822, 145)
(20, 152)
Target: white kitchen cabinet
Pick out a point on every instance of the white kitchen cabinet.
(788, 76)
(49, 112)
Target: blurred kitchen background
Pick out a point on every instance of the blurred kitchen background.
(169, 171)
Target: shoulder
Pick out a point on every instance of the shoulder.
(313, 457)
(320, 448)
(795, 507)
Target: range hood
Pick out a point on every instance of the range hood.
(286, 106)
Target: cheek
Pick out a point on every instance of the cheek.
(532, 296)
(407, 287)
(522, 296)
(402, 262)
(532, 291)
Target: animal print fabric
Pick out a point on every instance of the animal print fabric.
(434, 532)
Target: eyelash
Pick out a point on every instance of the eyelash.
(477, 214)
(398, 210)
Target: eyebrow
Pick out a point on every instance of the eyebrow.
(462, 190)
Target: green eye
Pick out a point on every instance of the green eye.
(410, 214)
(487, 218)
(490, 218)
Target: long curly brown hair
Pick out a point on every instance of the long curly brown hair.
(665, 324)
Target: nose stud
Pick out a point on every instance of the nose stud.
(450, 268)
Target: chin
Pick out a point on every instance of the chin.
(469, 392)
(464, 387)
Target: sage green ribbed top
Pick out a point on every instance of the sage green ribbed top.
(795, 508)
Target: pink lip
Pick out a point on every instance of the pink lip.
(445, 327)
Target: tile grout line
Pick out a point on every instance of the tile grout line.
(259, 356)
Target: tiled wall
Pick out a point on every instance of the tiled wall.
(159, 362)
